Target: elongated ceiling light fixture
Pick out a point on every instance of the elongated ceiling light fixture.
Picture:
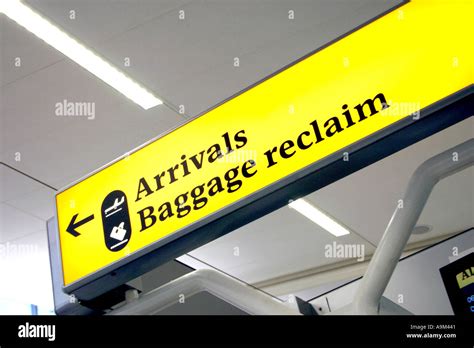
(318, 217)
(73, 49)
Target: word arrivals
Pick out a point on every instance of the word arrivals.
(190, 164)
(37, 331)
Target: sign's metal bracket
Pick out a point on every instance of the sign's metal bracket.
(400, 227)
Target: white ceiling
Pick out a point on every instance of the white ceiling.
(190, 62)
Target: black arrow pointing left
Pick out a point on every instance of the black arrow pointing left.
(73, 224)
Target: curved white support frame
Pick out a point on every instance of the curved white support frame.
(390, 248)
(233, 291)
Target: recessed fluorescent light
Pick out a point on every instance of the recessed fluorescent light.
(318, 217)
(76, 51)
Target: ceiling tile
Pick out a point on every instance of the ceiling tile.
(16, 42)
(280, 243)
(34, 131)
(97, 21)
(450, 207)
(90, 145)
(177, 58)
(16, 224)
(29, 105)
(14, 184)
(39, 203)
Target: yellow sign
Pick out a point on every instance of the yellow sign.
(386, 71)
(465, 278)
